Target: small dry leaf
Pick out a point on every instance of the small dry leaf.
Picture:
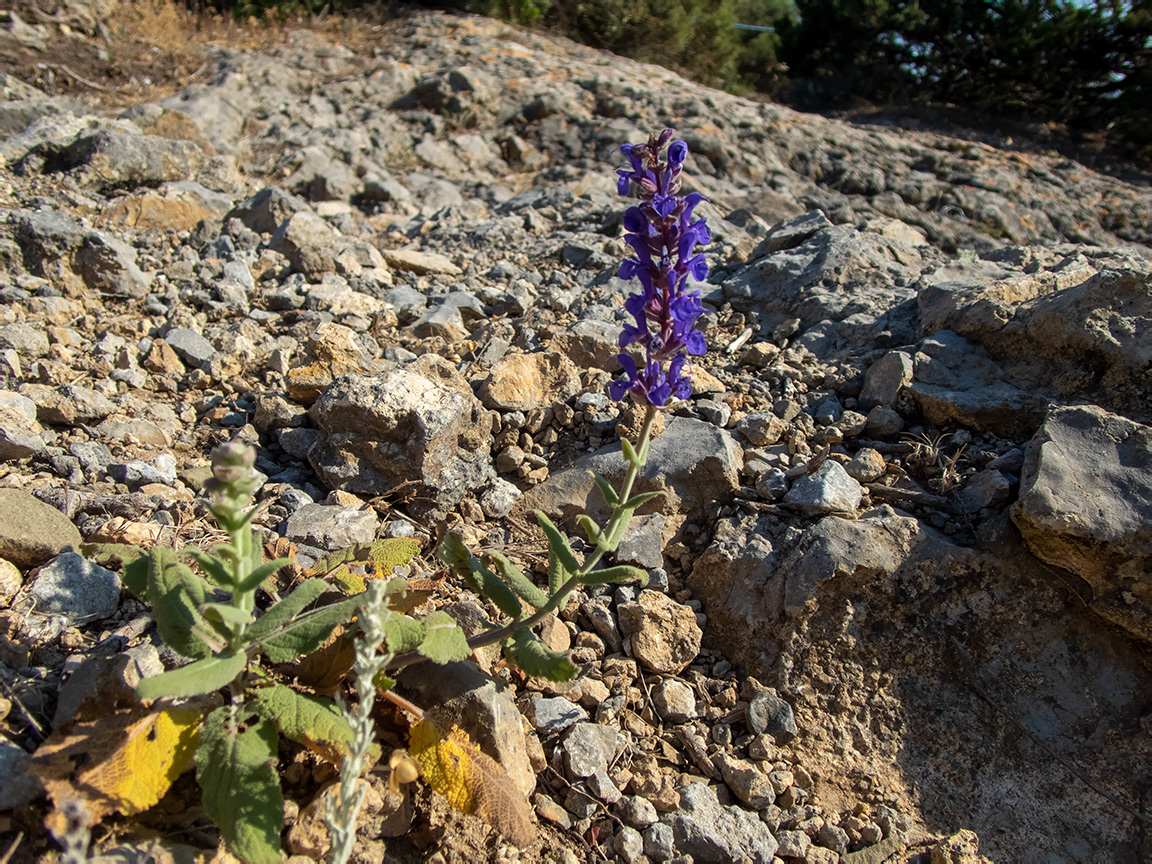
(125, 761)
(472, 781)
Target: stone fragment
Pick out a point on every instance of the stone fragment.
(693, 462)
(628, 844)
(69, 404)
(19, 430)
(136, 473)
(883, 423)
(18, 785)
(708, 831)
(421, 263)
(636, 811)
(31, 532)
(664, 634)
(762, 428)
(866, 466)
(767, 712)
(674, 700)
(828, 490)
(23, 338)
(643, 542)
(588, 748)
(746, 780)
(162, 359)
(553, 715)
(74, 589)
(884, 379)
(420, 423)
(332, 527)
(659, 842)
(108, 265)
(309, 243)
(190, 345)
(793, 844)
(1086, 506)
(267, 209)
(498, 498)
(523, 382)
(963, 847)
(10, 580)
(985, 488)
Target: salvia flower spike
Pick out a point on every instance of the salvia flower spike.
(663, 238)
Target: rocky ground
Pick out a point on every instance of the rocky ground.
(902, 572)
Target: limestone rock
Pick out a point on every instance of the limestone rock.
(522, 382)
(31, 532)
(709, 831)
(1086, 506)
(417, 424)
(665, 636)
(829, 489)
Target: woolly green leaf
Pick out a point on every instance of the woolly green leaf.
(176, 594)
(515, 579)
(262, 572)
(591, 529)
(307, 633)
(226, 613)
(610, 496)
(195, 679)
(640, 499)
(241, 789)
(444, 641)
(455, 554)
(287, 609)
(619, 573)
(402, 634)
(558, 545)
(629, 451)
(528, 652)
(499, 593)
(216, 570)
(307, 720)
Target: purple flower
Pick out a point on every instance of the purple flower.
(663, 237)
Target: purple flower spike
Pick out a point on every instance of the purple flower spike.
(663, 237)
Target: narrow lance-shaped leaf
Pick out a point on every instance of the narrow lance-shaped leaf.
(629, 451)
(195, 679)
(215, 570)
(241, 788)
(515, 579)
(591, 529)
(256, 578)
(610, 496)
(561, 551)
(303, 596)
(619, 573)
(528, 652)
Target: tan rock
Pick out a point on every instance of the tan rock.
(413, 261)
(665, 636)
(521, 382)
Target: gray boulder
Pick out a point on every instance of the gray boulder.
(1086, 506)
(31, 531)
(420, 424)
(709, 831)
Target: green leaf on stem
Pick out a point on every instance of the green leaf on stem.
(444, 641)
(305, 634)
(527, 651)
(640, 499)
(619, 573)
(476, 576)
(558, 546)
(227, 614)
(307, 720)
(591, 529)
(176, 594)
(195, 679)
(216, 571)
(514, 578)
(610, 496)
(287, 609)
(629, 452)
(263, 571)
(402, 634)
(241, 788)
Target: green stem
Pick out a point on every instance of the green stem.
(557, 600)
